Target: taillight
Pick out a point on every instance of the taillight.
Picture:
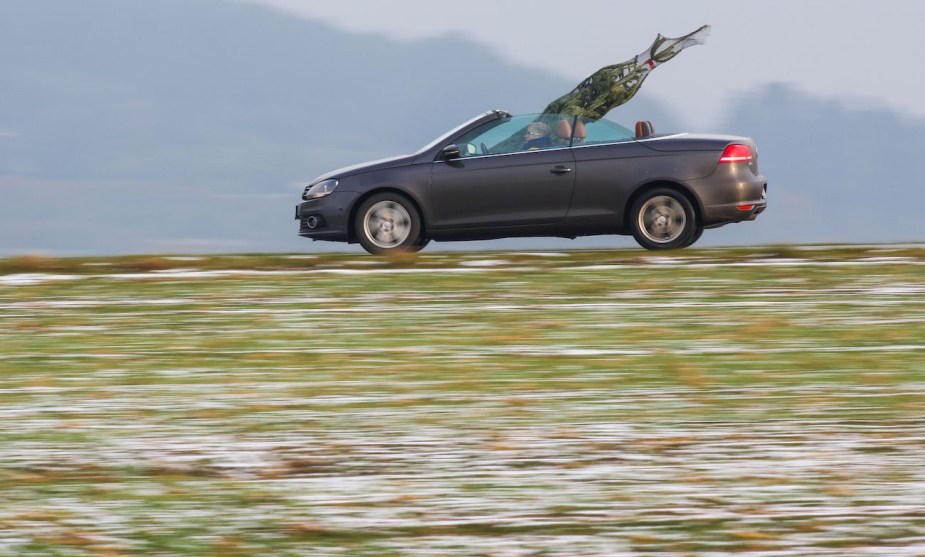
(736, 153)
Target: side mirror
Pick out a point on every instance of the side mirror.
(451, 152)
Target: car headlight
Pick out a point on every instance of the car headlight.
(321, 189)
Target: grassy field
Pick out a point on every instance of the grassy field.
(766, 401)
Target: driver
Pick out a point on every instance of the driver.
(536, 137)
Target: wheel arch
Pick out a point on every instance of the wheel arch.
(649, 186)
(351, 232)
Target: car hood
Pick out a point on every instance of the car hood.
(391, 162)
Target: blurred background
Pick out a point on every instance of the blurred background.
(506, 405)
(186, 126)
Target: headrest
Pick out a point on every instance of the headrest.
(644, 129)
(580, 131)
(564, 130)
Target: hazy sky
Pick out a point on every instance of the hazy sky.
(865, 51)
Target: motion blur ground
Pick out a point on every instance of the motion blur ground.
(506, 404)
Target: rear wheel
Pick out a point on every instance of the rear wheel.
(663, 219)
(698, 232)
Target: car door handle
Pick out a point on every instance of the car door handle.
(561, 170)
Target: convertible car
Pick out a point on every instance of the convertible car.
(500, 176)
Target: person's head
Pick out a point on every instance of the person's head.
(536, 130)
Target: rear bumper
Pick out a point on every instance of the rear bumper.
(737, 212)
(734, 197)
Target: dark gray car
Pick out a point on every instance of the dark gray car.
(499, 176)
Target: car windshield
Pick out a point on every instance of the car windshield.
(531, 132)
(451, 133)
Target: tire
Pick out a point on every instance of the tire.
(663, 218)
(388, 223)
(698, 232)
(420, 244)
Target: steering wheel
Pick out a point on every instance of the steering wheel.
(485, 149)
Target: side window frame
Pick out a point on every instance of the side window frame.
(620, 134)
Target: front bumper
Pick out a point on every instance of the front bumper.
(326, 218)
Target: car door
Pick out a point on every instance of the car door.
(495, 182)
(609, 164)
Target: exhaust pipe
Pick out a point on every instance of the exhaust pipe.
(311, 222)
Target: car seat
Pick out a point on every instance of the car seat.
(563, 132)
(580, 133)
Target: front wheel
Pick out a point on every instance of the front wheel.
(420, 244)
(388, 223)
(663, 219)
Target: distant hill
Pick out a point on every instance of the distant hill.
(835, 173)
(182, 125)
